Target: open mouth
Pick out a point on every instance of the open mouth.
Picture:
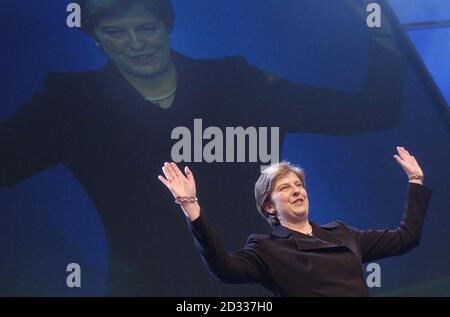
(298, 201)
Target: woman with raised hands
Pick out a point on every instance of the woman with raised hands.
(299, 257)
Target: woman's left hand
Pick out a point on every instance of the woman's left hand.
(409, 164)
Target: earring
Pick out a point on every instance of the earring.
(97, 44)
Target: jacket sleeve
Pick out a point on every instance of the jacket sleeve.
(297, 107)
(243, 266)
(30, 139)
(377, 244)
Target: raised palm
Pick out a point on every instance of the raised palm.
(179, 184)
(408, 162)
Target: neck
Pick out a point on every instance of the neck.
(302, 226)
(154, 86)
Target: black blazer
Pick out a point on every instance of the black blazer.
(290, 263)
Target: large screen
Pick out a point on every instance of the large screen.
(97, 97)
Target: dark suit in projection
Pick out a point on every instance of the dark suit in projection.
(114, 142)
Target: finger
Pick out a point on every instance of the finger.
(402, 153)
(400, 161)
(176, 169)
(189, 173)
(164, 181)
(399, 153)
(417, 166)
(406, 151)
(408, 155)
(170, 170)
(167, 173)
(173, 171)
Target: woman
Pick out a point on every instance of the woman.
(300, 258)
(112, 128)
(137, 43)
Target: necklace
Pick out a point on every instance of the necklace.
(164, 97)
(310, 232)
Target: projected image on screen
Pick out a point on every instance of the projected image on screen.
(225, 88)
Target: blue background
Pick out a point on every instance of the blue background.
(431, 43)
(48, 222)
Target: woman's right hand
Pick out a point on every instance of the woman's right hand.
(181, 185)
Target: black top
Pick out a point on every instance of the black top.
(115, 142)
(290, 263)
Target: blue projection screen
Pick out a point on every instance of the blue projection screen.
(89, 116)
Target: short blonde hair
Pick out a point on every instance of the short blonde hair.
(264, 186)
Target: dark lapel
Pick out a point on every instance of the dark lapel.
(321, 240)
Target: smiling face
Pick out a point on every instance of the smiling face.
(289, 200)
(136, 41)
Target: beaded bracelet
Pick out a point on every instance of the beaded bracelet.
(416, 177)
(184, 199)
